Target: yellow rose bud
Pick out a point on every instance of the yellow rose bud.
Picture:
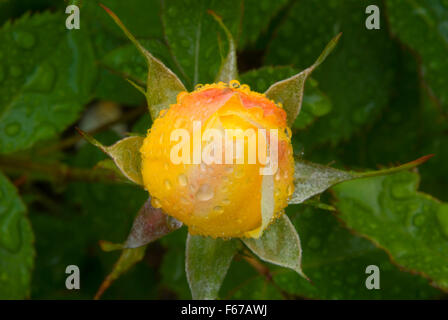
(217, 198)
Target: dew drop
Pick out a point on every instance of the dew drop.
(290, 190)
(167, 184)
(419, 220)
(205, 193)
(24, 39)
(182, 179)
(226, 202)
(156, 203)
(12, 129)
(234, 84)
(43, 79)
(219, 209)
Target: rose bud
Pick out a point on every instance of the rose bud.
(217, 157)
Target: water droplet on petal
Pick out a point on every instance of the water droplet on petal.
(234, 84)
(205, 193)
(277, 176)
(156, 203)
(167, 184)
(182, 179)
(226, 202)
(219, 209)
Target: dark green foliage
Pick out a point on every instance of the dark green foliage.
(379, 99)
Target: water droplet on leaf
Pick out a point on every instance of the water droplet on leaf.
(13, 128)
(24, 39)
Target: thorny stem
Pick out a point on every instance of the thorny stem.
(58, 171)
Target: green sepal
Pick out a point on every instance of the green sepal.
(289, 92)
(125, 153)
(162, 85)
(280, 245)
(311, 179)
(206, 263)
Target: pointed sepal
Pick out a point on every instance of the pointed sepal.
(280, 245)
(125, 153)
(163, 85)
(289, 92)
(311, 179)
(149, 225)
(128, 258)
(206, 263)
(229, 69)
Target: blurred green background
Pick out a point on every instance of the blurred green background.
(381, 98)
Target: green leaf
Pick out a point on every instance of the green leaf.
(357, 77)
(243, 281)
(128, 258)
(335, 260)
(162, 85)
(127, 61)
(125, 153)
(142, 17)
(279, 244)
(289, 92)
(256, 17)
(411, 226)
(206, 264)
(192, 35)
(149, 225)
(46, 76)
(16, 244)
(172, 270)
(315, 103)
(311, 179)
(423, 26)
(229, 69)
